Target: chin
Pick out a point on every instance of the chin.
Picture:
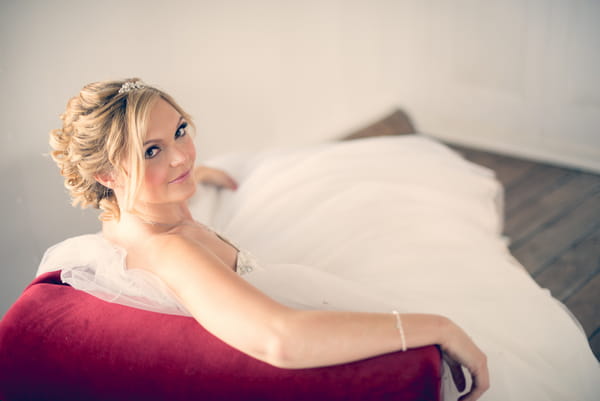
(191, 193)
(182, 194)
(186, 194)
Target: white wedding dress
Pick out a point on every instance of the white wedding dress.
(374, 225)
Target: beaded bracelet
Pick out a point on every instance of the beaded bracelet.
(400, 329)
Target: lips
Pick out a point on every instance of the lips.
(181, 178)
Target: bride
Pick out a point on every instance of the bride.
(365, 248)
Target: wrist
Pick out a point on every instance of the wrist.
(199, 173)
(446, 331)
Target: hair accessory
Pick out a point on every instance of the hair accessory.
(400, 329)
(131, 85)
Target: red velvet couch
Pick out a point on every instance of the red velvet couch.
(57, 343)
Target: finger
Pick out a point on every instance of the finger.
(218, 178)
(472, 395)
(232, 184)
(224, 180)
(480, 385)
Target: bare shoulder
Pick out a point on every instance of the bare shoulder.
(172, 250)
(203, 283)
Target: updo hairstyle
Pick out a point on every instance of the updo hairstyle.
(101, 129)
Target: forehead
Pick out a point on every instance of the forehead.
(163, 118)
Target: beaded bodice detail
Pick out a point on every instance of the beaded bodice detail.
(245, 262)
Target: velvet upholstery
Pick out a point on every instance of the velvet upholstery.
(62, 344)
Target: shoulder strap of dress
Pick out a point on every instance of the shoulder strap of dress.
(227, 241)
(221, 236)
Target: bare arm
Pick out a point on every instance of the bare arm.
(248, 320)
(213, 176)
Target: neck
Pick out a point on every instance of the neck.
(148, 219)
(161, 215)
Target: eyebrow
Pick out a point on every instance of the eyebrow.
(179, 122)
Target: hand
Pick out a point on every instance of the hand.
(459, 350)
(213, 176)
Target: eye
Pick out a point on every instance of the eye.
(151, 152)
(181, 131)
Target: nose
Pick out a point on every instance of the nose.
(178, 157)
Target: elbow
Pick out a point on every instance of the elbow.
(276, 354)
(281, 349)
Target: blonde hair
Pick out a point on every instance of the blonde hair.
(101, 129)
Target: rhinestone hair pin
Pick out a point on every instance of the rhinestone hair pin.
(131, 85)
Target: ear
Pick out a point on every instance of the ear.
(106, 179)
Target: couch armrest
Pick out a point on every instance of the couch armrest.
(60, 343)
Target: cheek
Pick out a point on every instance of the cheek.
(155, 176)
(192, 150)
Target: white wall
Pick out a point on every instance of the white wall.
(515, 76)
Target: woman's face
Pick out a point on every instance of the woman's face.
(169, 157)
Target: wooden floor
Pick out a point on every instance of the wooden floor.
(552, 217)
